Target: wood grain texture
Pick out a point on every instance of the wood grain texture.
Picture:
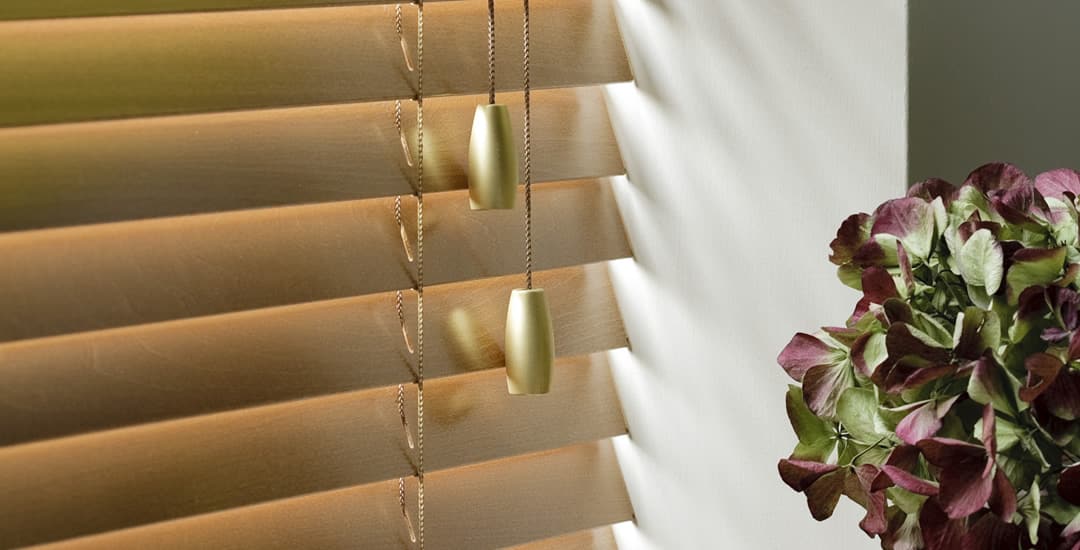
(69, 174)
(58, 281)
(600, 538)
(36, 9)
(61, 70)
(134, 476)
(169, 370)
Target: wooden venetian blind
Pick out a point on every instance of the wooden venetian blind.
(200, 263)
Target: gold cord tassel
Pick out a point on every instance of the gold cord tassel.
(493, 162)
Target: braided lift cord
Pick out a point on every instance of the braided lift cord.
(528, 153)
(491, 52)
(420, 270)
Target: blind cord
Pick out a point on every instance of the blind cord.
(420, 270)
(528, 152)
(491, 52)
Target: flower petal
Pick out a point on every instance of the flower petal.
(909, 219)
(878, 285)
(933, 188)
(804, 352)
(1032, 267)
(823, 385)
(1042, 369)
(939, 531)
(924, 421)
(1058, 183)
(1062, 398)
(823, 494)
(853, 233)
(990, 533)
(910, 482)
(996, 176)
(800, 474)
(1003, 497)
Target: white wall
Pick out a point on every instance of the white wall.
(993, 80)
(755, 127)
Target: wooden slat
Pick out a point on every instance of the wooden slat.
(501, 503)
(36, 9)
(135, 476)
(70, 174)
(153, 372)
(600, 538)
(58, 281)
(111, 67)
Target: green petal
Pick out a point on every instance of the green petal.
(982, 261)
(1033, 267)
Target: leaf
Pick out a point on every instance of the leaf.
(1033, 267)
(1030, 508)
(982, 261)
(859, 412)
(817, 437)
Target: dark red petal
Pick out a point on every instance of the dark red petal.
(933, 188)
(1003, 497)
(822, 386)
(965, 488)
(799, 474)
(1062, 398)
(996, 176)
(823, 494)
(990, 533)
(924, 421)
(1069, 485)
(804, 352)
(1043, 369)
(989, 434)
(901, 341)
(938, 530)
(851, 235)
(943, 452)
(878, 285)
(906, 480)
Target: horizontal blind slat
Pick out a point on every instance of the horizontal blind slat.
(501, 503)
(118, 67)
(135, 476)
(67, 280)
(36, 9)
(71, 174)
(154, 372)
(600, 538)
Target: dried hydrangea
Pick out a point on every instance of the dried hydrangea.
(947, 404)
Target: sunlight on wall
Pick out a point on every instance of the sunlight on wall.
(753, 130)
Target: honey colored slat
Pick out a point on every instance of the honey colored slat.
(57, 281)
(112, 67)
(121, 377)
(36, 9)
(135, 476)
(70, 174)
(499, 503)
(600, 538)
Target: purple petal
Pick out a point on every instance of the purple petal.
(939, 532)
(964, 488)
(800, 474)
(1059, 183)
(933, 188)
(878, 285)
(1003, 497)
(908, 481)
(874, 523)
(822, 386)
(1062, 398)
(943, 452)
(901, 341)
(924, 421)
(823, 494)
(1020, 203)
(909, 219)
(996, 176)
(990, 533)
(804, 352)
(906, 274)
(1042, 369)
(852, 235)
